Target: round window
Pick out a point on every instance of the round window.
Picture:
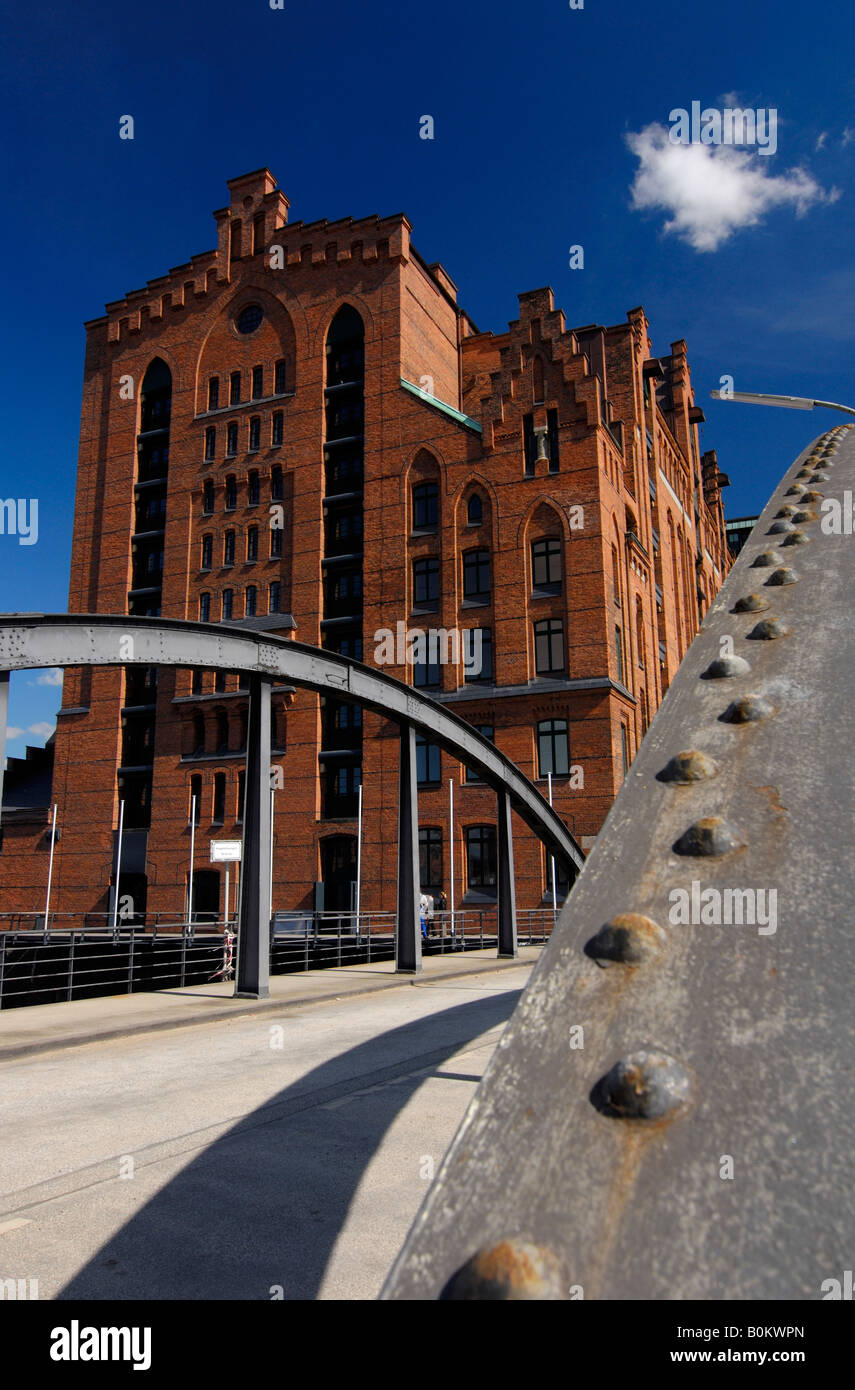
(249, 318)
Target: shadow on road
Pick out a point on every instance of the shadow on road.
(264, 1204)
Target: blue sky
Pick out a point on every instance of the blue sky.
(545, 138)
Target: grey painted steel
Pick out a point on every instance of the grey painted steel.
(506, 896)
(29, 640)
(757, 1027)
(408, 937)
(253, 962)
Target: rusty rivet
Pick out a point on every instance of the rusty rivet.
(805, 515)
(766, 557)
(778, 526)
(747, 710)
(768, 629)
(646, 1085)
(512, 1271)
(795, 491)
(783, 576)
(690, 766)
(797, 538)
(725, 666)
(785, 511)
(821, 477)
(751, 603)
(628, 939)
(707, 837)
(803, 473)
(813, 497)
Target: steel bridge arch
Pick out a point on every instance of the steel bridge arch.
(34, 640)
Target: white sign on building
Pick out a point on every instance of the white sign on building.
(225, 851)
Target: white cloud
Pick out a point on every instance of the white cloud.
(821, 139)
(848, 136)
(53, 677)
(42, 730)
(12, 731)
(712, 191)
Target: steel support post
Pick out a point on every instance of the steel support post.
(4, 714)
(253, 962)
(408, 937)
(507, 901)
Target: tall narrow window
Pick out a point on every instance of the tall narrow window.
(552, 439)
(210, 443)
(474, 510)
(207, 552)
(279, 378)
(546, 564)
(481, 858)
(231, 439)
(553, 749)
(257, 383)
(277, 428)
(228, 604)
(276, 492)
(234, 246)
(426, 584)
(430, 858)
(194, 810)
(251, 601)
(548, 646)
(255, 434)
(274, 602)
(208, 496)
(275, 542)
(229, 548)
(213, 393)
(619, 654)
(529, 445)
(197, 684)
(219, 798)
(234, 388)
(252, 544)
(231, 492)
(639, 633)
(425, 506)
(427, 762)
(204, 608)
(624, 749)
(476, 574)
(253, 489)
(478, 654)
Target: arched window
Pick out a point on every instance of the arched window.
(475, 510)
(194, 808)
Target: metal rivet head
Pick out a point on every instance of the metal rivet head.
(628, 939)
(820, 477)
(813, 497)
(768, 629)
(751, 603)
(646, 1085)
(795, 491)
(690, 766)
(778, 526)
(782, 576)
(725, 666)
(785, 511)
(764, 559)
(708, 837)
(512, 1271)
(805, 515)
(747, 710)
(797, 538)
(803, 473)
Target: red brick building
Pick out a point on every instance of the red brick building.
(302, 431)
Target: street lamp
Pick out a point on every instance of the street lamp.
(789, 402)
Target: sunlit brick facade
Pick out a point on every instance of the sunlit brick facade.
(302, 432)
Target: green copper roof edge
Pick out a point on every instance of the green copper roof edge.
(441, 405)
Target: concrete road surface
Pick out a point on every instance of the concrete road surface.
(281, 1155)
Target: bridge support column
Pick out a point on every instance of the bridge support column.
(4, 714)
(253, 962)
(408, 937)
(507, 899)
